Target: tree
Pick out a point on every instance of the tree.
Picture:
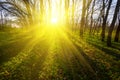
(83, 17)
(113, 23)
(27, 4)
(67, 10)
(91, 23)
(105, 20)
(42, 9)
(118, 30)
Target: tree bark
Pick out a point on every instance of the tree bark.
(27, 4)
(113, 23)
(67, 11)
(83, 18)
(117, 33)
(91, 23)
(104, 20)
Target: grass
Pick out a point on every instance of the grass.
(107, 59)
(56, 56)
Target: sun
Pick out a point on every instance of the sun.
(54, 20)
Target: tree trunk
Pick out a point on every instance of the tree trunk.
(66, 11)
(1, 18)
(27, 4)
(105, 19)
(83, 18)
(117, 33)
(87, 14)
(113, 23)
(91, 23)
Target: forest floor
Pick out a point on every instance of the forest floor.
(56, 55)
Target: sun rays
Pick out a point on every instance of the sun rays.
(50, 53)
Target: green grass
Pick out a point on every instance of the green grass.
(107, 59)
(56, 56)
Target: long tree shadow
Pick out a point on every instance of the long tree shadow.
(96, 40)
(27, 65)
(11, 49)
(116, 45)
(108, 50)
(100, 69)
(31, 66)
(73, 63)
(99, 72)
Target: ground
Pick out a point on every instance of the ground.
(56, 55)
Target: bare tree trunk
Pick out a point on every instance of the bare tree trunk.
(104, 20)
(113, 23)
(83, 18)
(87, 14)
(66, 11)
(41, 10)
(91, 23)
(27, 4)
(1, 24)
(117, 33)
(50, 9)
(73, 8)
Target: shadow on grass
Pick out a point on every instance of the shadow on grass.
(116, 45)
(12, 48)
(99, 71)
(29, 67)
(113, 51)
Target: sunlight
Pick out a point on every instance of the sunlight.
(54, 20)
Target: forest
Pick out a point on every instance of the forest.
(59, 39)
